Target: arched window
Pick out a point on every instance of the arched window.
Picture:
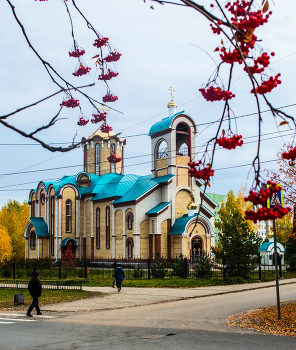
(42, 198)
(33, 209)
(130, 246)
(183, 140)
(113, 168)
(68, 215)
(85, 158)
(108, 227)
(98, 228)
(32, 240)
(52, 225)
(97, 159)
(162, 150)
(129, 219)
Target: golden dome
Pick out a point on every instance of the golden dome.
(192, 205)
(172, 104)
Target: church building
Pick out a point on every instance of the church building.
(101, 212)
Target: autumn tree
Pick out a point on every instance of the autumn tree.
(5, 246)
(14, 217)
(238, 243)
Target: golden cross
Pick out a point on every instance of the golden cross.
(104, 108)
(172, 89)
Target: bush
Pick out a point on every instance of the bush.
(203, 268)
(158, 269)
(138, 272)
(178, 267)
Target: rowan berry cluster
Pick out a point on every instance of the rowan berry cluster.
(110, 98)
(262, 196)
(216, 94)
(268, 85)
(108, 76)
(81, 71)
(216, 30)
(230, 142)
(203, 174)
(99, 117)
(71, 103)
(263, 60)
(77, 53)
(100, 42)
(229, 57)
(114, 159)
(291, 154)
(82, 121)
(266, 214)
(113, 57)
(106, 128)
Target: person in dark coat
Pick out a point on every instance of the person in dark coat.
(35, 290)
(119, 277)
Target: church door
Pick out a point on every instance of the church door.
(196, 246)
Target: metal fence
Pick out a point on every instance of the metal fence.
(73, 285)
(103, 269)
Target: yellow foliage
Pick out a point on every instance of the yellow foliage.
(14, 217)
(243, 206)
(5, 245)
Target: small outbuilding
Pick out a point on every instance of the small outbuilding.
(266, 251)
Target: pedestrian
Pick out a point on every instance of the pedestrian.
(119, 277)
(35, 290)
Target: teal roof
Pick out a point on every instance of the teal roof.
(141, 186)
(265, 247)
(41, 228)
(158, 208)
(180, 224)
(64, 242)
(163, 124)
(206, 209)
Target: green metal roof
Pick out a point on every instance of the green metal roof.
(180, 224)
(64, 242)
(41, 228)
(163, 124)
(158, 208)
(141, 186)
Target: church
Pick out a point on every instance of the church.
(103, 213)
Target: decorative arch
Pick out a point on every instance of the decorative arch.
(130, 247)
(202, 221)
(70, 186)
(161, 149)
(177, 189)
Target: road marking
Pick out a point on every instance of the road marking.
(15, 319)
(9, 314)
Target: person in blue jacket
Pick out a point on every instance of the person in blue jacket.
(119, 277)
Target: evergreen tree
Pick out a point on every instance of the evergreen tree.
(237, 241)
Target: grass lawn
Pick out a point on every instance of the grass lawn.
(47, 297)
(265, 320)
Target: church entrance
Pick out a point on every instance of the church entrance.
(71, 243)
(196, 246)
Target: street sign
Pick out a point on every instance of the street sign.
(277, 199)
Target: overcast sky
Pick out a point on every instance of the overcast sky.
(159, 48)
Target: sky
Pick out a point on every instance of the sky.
(160, 47)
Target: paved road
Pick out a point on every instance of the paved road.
(195, 323)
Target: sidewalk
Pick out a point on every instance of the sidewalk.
(132, 297)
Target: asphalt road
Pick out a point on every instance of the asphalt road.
(188, 324)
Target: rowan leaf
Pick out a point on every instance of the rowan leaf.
(96, 56)
(249, 35)
(266, 6)
(223, 132)
(283, 123)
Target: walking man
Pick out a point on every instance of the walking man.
(119, 277)
(35, 290)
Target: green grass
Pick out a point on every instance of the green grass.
(47, 297)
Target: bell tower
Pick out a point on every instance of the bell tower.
(173, 144)
(97, 148)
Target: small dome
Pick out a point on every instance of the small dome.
(172, 104)
(192, 205)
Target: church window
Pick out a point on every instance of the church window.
(108, 227)
(97, 159)
(162, 150)
(42, 198)
(113, 169)
(129, 250)
(32, 240)
(183, 140)
(130, 246)
(85, 158)
(52, 225)
(68, 215)
(130, 220)
(33, 209)
(98, 228)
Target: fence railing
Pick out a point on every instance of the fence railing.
(194, 267)
(73, 285)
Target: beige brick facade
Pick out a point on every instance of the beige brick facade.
(182, 200)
